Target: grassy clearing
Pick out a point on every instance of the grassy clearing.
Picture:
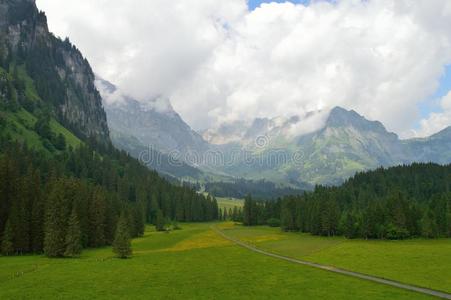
(425, 263)
(193, 263)
(229, 203)
(30, 89)
(71, 139)
(20, 127)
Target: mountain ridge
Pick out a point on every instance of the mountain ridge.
(329, 146)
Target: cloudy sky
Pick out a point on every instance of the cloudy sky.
(220, 61)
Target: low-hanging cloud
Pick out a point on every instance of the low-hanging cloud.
(437, 121)
(219, 62)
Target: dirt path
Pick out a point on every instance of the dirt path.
(336, 270)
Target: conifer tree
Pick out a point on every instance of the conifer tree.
(7, 244)
(247, 211)
(215, 209)
(73, 236)
(37, 216)
(428, 226)
(122, 243)
(160, 221)
(54, 240)
(97, 216)
(153, 209)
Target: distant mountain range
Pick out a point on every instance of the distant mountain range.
(323, 147)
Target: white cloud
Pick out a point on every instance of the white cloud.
(218, 62)
(437, 120)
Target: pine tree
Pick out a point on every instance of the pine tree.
(73, 236)
(225, 216)
(215, 209)
(37, 216)
(160, 222)
(97, 217)
(7, 244)
(54, 240)
(428, 226)
(121, 243)
(247, 211)
(153, 209)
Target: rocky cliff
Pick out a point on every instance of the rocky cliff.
(63, 78)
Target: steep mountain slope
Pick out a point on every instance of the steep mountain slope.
(436, 148)
(154, 159)
(348, 143)
(153, 133)
(155, 124)
(64, 81)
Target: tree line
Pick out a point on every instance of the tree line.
(395, 203)
(260, 189)
(60, 203)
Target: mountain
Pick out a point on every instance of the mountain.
(63, 186)
(154, 124)
(48, 73)
(321, 148)
(348, 143)
(436, 148)
(153, 133)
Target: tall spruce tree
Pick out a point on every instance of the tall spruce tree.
(97, 217)
(8, 237)
(247, 211)
(122, 243)
(73, 236)
(160, 221)
(54, 240)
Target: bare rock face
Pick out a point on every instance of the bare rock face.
(63, 77)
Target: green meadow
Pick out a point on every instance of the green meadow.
(229, 203)
(192, 263)
(425, 263)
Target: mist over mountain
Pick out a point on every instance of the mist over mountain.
(154, 124)
(321, 147)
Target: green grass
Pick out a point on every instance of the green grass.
(192, 263)
(425, 263)
(30, 89)
(20, 127)
(229, 203)
(21, 123)
(71, 139)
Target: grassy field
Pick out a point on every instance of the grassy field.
(20, 126)
(425, 263)
(192, 263)
(229, 202)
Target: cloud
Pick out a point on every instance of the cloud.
(436, 121)
(219, 62)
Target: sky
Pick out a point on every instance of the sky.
(223, 61)
(253, 4)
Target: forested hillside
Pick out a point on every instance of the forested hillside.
(63, 185)
(259, 189)
(394, 203)
(39, 193)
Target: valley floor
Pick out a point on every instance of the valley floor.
(197, 263)
(419, 262)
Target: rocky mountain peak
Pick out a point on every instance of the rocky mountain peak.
(340, 117)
